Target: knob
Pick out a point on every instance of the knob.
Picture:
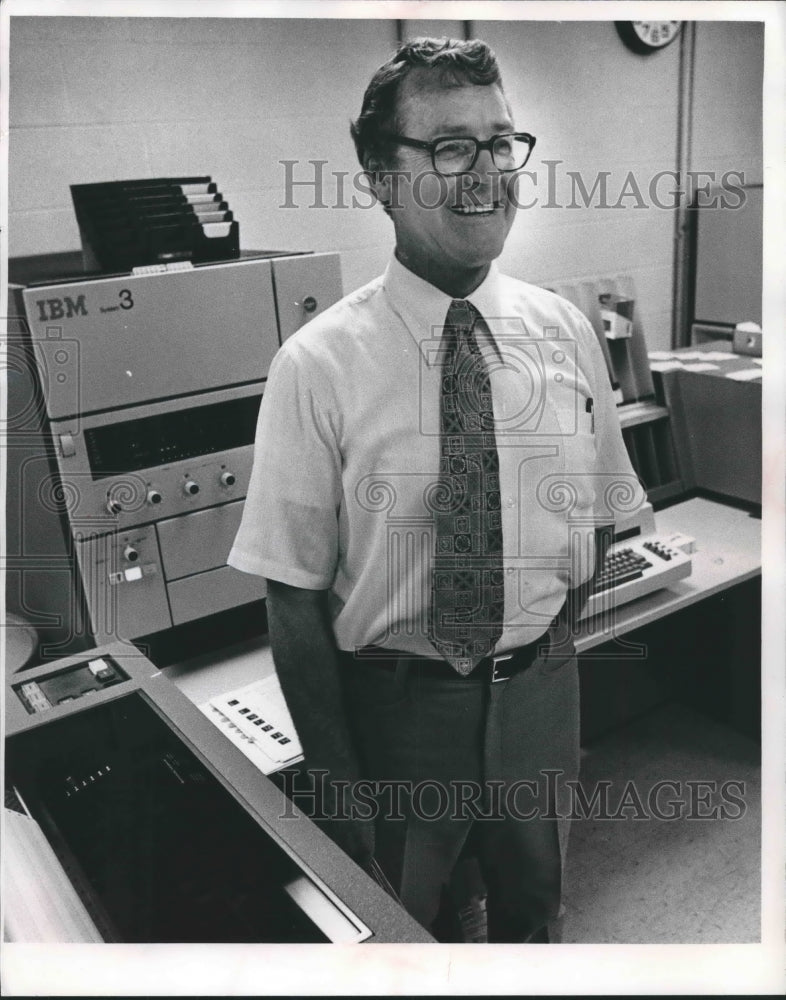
(113, 506)
(228, 479)
(153, 497)
(130, 553)
(309, 303)
(191, 488)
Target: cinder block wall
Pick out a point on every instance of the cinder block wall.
(103, 98)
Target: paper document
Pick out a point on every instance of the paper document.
(746, 375)
(666, 366)
(41, 905)
(719, 356)
(701, 366)
(256, 719)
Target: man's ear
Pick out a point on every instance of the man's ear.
(379, 181)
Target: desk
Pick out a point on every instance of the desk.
(716, 421)
(728, 556)
(707, 654)
(728, 553)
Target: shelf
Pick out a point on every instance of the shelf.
(641, 412)
(666, 491)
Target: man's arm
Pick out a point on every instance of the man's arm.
(578, 596)
(306, 660)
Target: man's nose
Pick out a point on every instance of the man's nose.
(485, 163)
(484, 180)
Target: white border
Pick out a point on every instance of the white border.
(107, 970)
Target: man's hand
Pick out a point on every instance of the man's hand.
(306, 660)
(578, 596)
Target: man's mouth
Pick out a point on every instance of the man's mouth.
(485, 209)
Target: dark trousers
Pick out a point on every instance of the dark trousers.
(459, 743)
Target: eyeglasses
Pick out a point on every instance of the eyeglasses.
(458, 154)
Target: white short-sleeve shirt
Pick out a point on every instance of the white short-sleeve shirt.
(347, 450)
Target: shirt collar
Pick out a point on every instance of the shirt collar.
(423, 307)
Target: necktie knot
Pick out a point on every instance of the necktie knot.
(462, 316)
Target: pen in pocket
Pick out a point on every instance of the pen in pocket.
(590, 408)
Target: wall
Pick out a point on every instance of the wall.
(727, 98)
(97, 99)
(596, 107)
(106, 98)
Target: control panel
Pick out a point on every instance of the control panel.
(66, 685)
(158, 460)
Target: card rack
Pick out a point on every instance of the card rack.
(646, 425)
(164, 220)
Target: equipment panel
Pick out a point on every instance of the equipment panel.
(305, 287)
(133, 410)
(145, 337)
(200, 541)
(155, 461)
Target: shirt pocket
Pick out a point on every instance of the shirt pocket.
(576, 419)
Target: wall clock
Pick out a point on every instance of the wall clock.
(648, 36)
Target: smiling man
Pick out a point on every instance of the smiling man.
(429, 499)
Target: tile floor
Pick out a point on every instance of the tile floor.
(647, 881)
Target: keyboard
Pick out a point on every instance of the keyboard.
(634, 568)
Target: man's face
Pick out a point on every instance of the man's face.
(449, 229)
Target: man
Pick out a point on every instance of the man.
(431, 480)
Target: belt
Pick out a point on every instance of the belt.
(491, 669)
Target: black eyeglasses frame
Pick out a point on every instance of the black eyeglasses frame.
(430, 147)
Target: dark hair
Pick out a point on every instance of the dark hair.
(457, 63)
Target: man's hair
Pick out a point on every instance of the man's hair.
(457, 64)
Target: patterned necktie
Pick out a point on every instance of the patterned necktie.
(467, 590)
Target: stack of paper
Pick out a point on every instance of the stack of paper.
(41, 905)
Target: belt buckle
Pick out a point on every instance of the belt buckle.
(495, 660)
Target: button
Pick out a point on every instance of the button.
(67, 446)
